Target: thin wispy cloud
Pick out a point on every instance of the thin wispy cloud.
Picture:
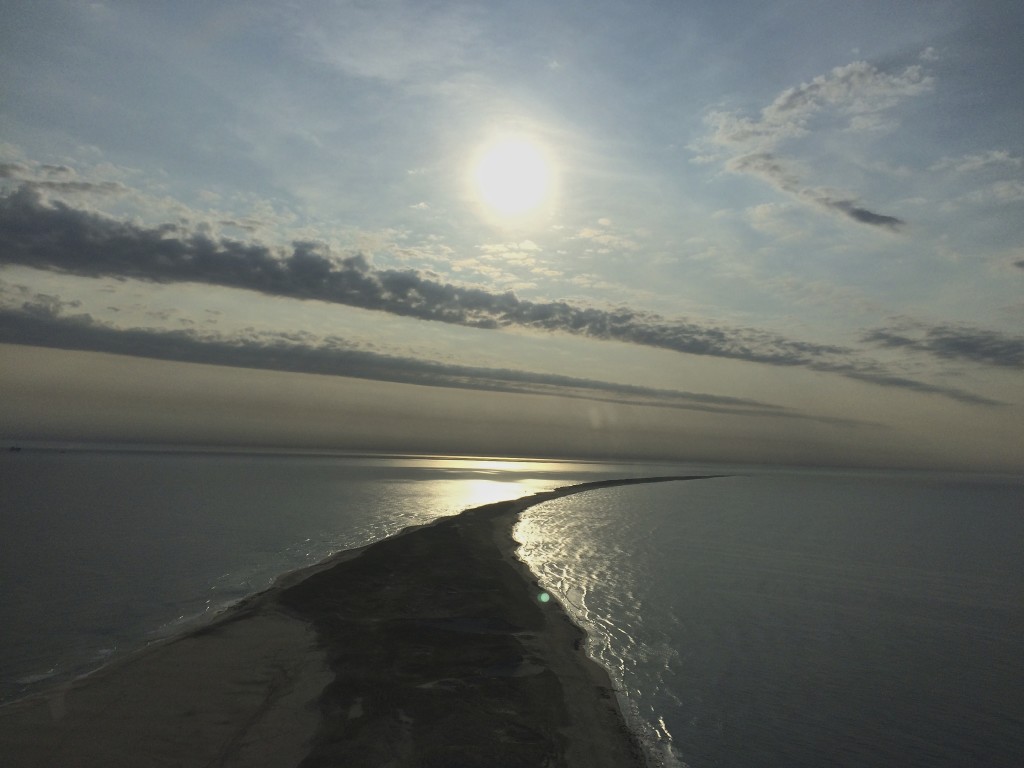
(57, 179)
(992, 159)
(999, 192)
(775, 171)
(46, 320)
(953, 342)
(855, 97)
(395, 42)
(857, 89)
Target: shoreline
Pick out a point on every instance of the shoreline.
(430, 647)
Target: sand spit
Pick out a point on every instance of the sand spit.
(427, 649)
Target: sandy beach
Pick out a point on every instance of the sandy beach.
(431, 648)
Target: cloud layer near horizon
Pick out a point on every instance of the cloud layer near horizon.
(953, 342)
(57, 236)
(46, 321)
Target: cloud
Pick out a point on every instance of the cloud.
(863, 215)
(59, 237)
(977, 162)
(771, 219)
(857, 89)
(511, 265)
(772, 169)
(12, 171)
(393, 41)
(67, 239)
(876, 375)
(953, 342)
(857, 94)
(989, 163)
(607, 238)
(58, 179)
(40, 321)
(1019, 264)
(1000, 192)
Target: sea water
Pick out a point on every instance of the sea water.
(802, 619)
(102, 551)
(766, 618)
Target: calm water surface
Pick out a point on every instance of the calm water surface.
(802, 620)
(103, 551)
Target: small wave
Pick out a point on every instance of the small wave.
(37, 678)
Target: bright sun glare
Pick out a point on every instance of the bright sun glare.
(512, 176)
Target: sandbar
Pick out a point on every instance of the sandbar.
(427, 649)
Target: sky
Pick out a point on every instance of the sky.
(781, 232)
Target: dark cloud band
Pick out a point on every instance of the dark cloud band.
(774, 170)
(951, 342)
(59, 237)
(42, 321)
(79, 242)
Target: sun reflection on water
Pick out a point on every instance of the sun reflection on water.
(488, 466)
(452, 484)
(466, 494)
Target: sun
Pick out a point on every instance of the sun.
(512, 176)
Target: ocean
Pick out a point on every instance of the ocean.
(802, 619)
(770, 617)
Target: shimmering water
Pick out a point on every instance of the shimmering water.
(802, 619)
(103, 551)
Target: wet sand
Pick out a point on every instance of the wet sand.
(431, 648)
